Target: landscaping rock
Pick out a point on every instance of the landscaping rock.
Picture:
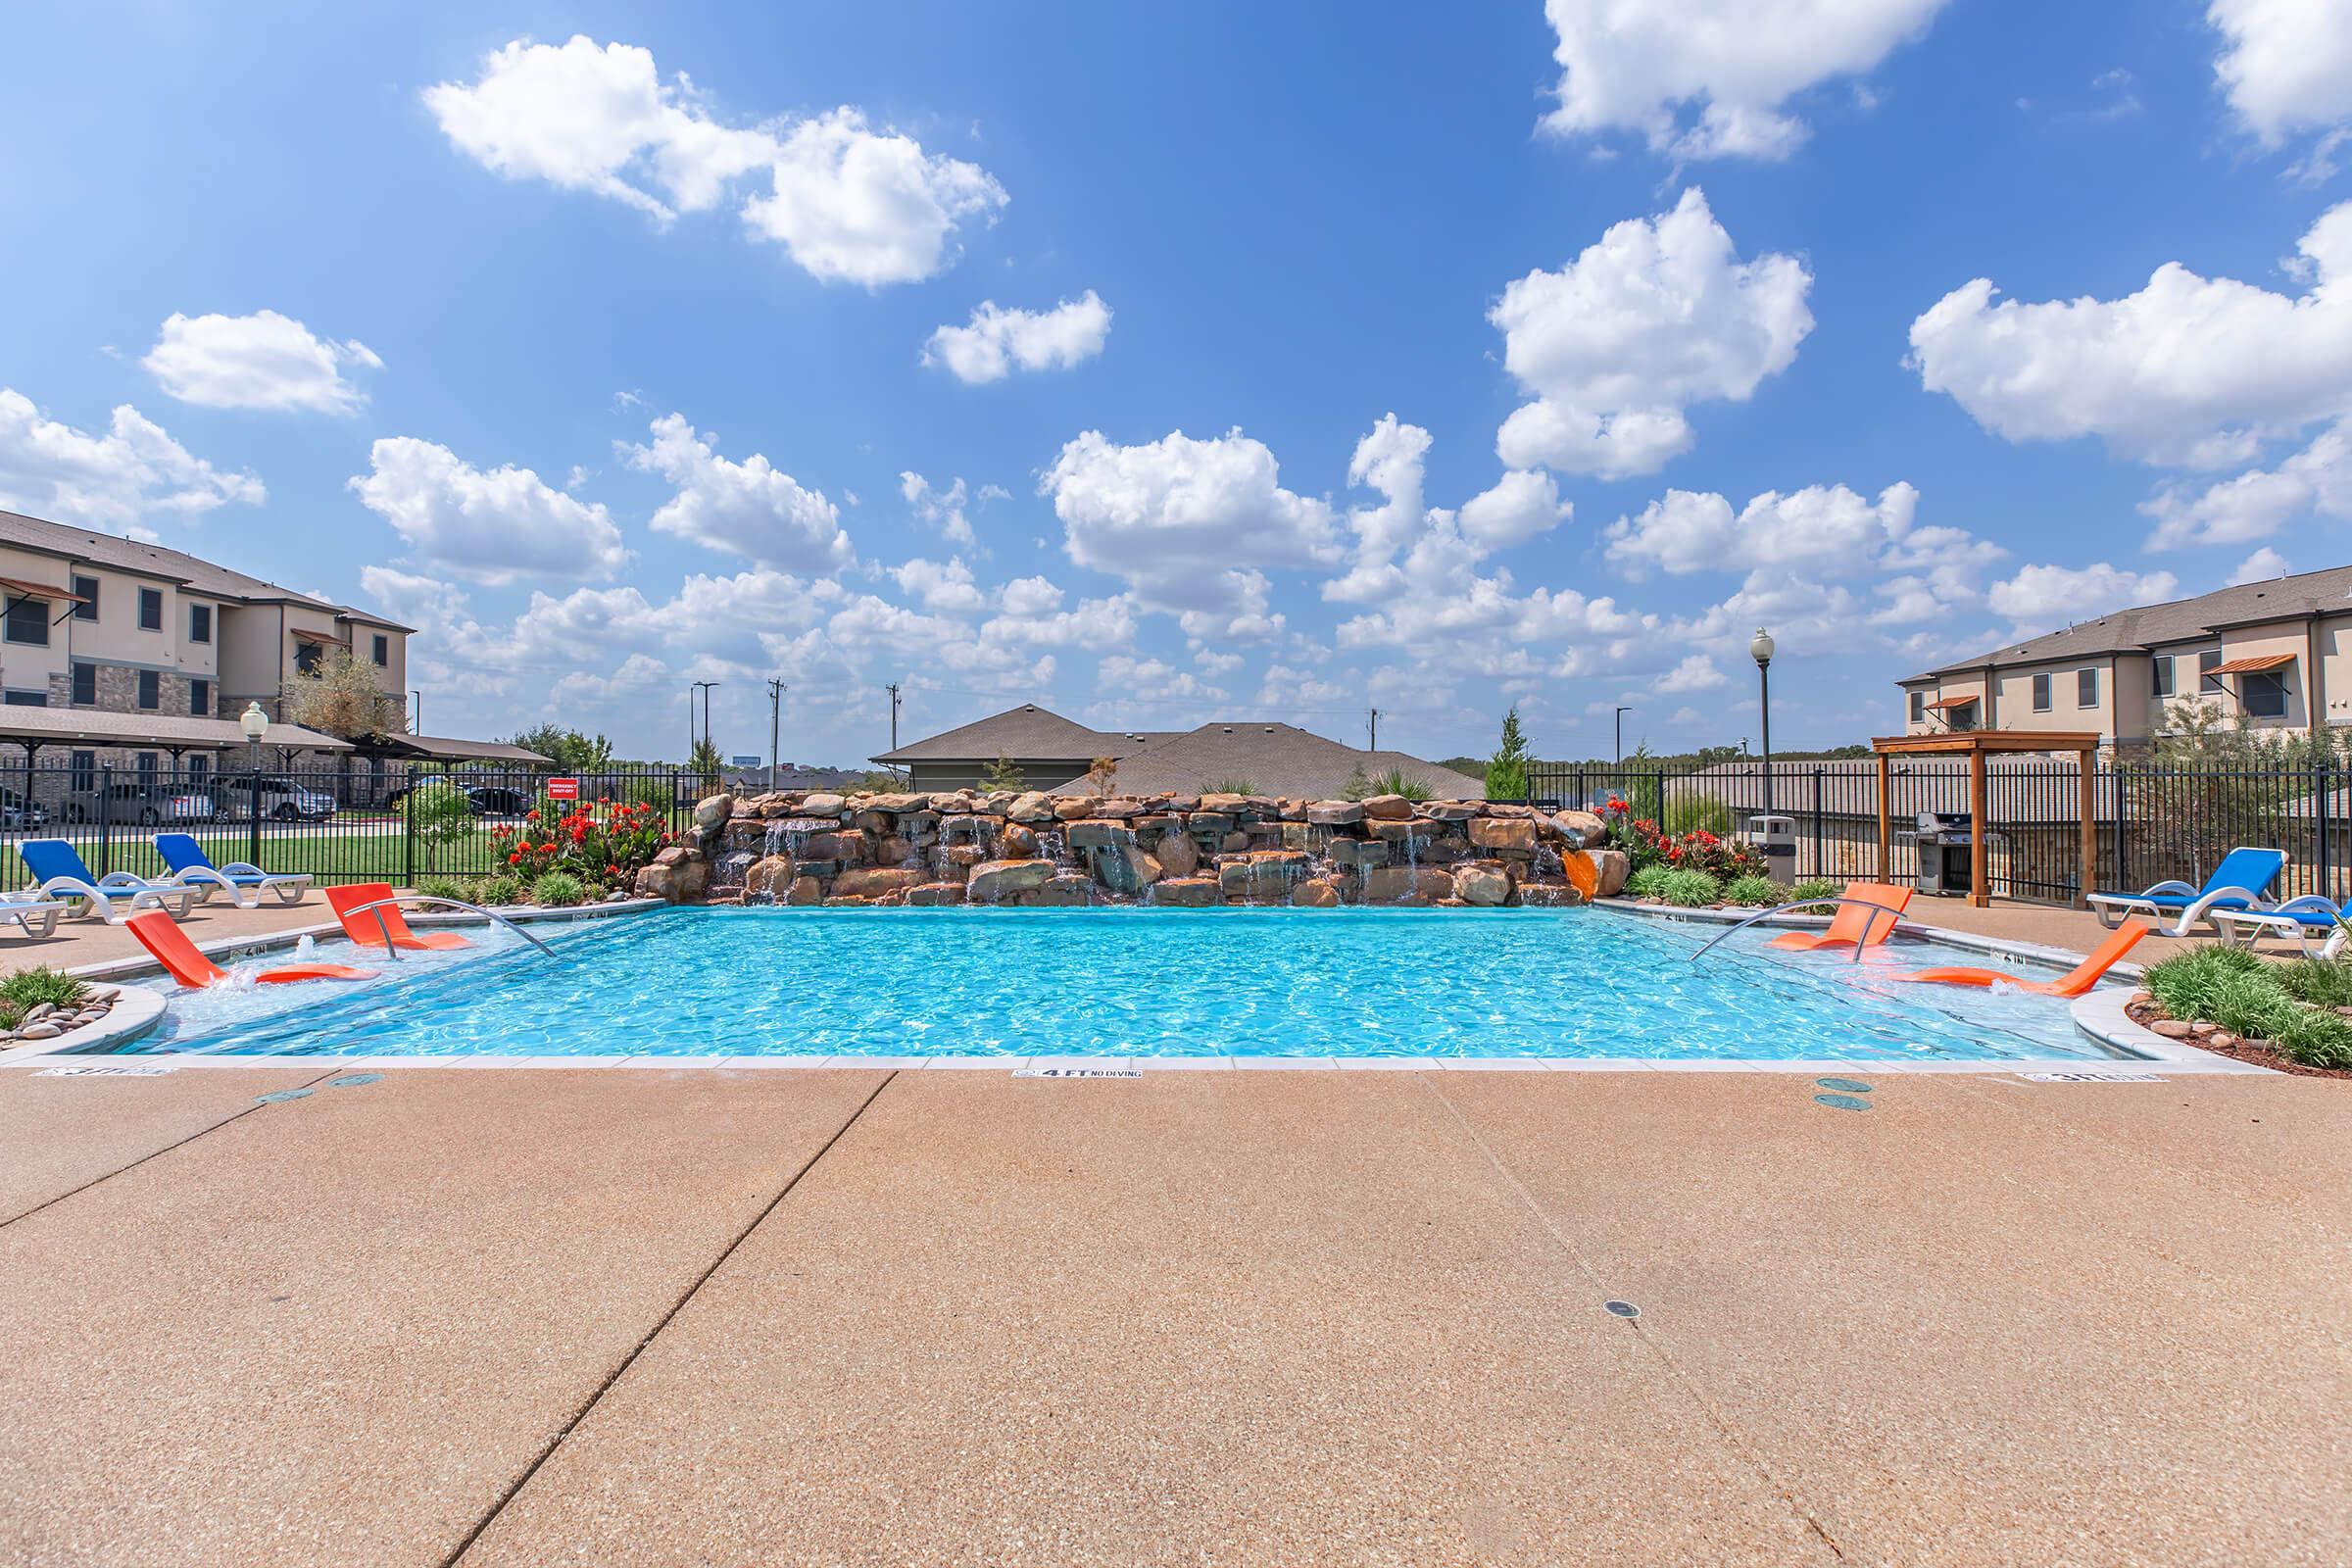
(1184, 892)
(676, 874)
(1336, 814)
(1094, 833)
(871, 882)
(1452, 810)
(1121, 808)
(39, 1031)
(1016, 841)
(1581, 828)
(1228, 805)
(1076, 808)
(822, 804)
(1487, 886)
(993, 881)
(805, 890)
(1069, 890)
(766, 877)
(711, 811)
(2173, 1028)
(844, 847)
(1127, 867)
(1177, 855)
(1395, 884)
(1493, 833)
(1032, 805)
(1315, 894)
(1388, 808)
(928, 894)
(1612, 867)
(1261, 873)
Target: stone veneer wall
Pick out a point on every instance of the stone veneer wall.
(1037, 850)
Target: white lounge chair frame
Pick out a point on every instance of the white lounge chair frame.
(98, 898)
(38, 916)
(2199, 912)
(2249, 926)
(288, 885)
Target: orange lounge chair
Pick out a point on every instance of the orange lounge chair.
(1854, 926)
(2073, 983)
(361, 926)
(162, 935)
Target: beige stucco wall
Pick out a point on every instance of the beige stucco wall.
(247, 646)
(2014, 701)
(28, 667)
(2334, 639)
(1934, 722)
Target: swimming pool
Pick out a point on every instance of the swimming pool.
(1043, 983)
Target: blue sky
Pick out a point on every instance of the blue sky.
(1432, 360)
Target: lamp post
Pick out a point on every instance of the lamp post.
(1761, 648)
(254, 724)
(706, 686)
(1621, 712)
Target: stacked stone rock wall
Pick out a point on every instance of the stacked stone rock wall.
(1033, 850)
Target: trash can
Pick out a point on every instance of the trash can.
(1776, 836)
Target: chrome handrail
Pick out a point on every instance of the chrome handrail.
(376, 907)
(1802, 904)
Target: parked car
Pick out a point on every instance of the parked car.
(144, 804)
(282, 800)
(17, 811)
(496, 799)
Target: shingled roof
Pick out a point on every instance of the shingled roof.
(2128, 631)
(1028, 733)
(1273, 759)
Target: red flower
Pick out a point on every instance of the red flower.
(515, 857)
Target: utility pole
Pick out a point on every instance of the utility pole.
(775, 724)
(1621, 712)
(706, 686)
(1375, 746)
(893, 715)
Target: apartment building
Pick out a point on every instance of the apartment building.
(2275, 655)
(157, 650)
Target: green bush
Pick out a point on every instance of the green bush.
(2315, 1039)
(1817, 887)
(1648, 884)
(1692, 890)
(2250, 998)
(439, 815)
(2323, 983)
(2187, 983)
(1753, 892)
(442, 887)
(28, 989)
(1691, 813)
(498, 890)
(558, 889)
(1229, 786)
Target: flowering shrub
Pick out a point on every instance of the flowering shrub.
(1644, 843)
(601, 842)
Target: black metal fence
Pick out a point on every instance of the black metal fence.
(334, 821)
(2151, 823)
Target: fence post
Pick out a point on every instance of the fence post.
(1817, 772)
(2318, 768)
(408, 831)
(105, 819)
(253, 809)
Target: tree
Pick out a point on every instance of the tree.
(566, 748)
(705, 761)
(1100, 773)
(1506, 770)
(440, 817)
(341, 698)
(1001, 776)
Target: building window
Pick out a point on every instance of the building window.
(2262, 693)
(151, 610)
(86, 684)
(83, 770)
(1919, 708)
(23, 699)
(200, 699)
(28, 621)
(151, 689)
(2042, 694)
(306, 657)
(2086, 688)
(85, 589)
(145, 763)
(2208, 683)
(2162, 665)
(1963, 718)
(383, 651)
(200, 623)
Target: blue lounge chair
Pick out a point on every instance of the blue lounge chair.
(192, 867)
(2241, 881)
(2307, 920)
(58, 872)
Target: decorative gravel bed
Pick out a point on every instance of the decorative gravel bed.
(2145, 1011)
(48, 1021)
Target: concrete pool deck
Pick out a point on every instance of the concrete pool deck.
(864, 1316)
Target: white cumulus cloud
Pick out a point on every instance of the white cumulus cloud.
(1185, 522)
(1829, 527)
(2259, 566)
(997, 342)
(1712, 78)
(848, 203)
(1656, 314)
(262, 361)
(115, 481)
(942, 508)
(2041, 599)
(750, 509)
(2285, 65)
(2188, 370)
(496, 525)
(2258, 503)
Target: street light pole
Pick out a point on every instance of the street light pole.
(775, 726)
(705, 686)
(254, 724)
(1761, 648)
(1621, 712)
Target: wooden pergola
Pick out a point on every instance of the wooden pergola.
(1976, 745)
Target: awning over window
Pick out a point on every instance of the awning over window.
(2248, 667)
(1941, 703)
(319, 637)
(38, 590)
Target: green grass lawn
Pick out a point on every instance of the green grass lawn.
(342, 856)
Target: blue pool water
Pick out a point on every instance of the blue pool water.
(1134, 982)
